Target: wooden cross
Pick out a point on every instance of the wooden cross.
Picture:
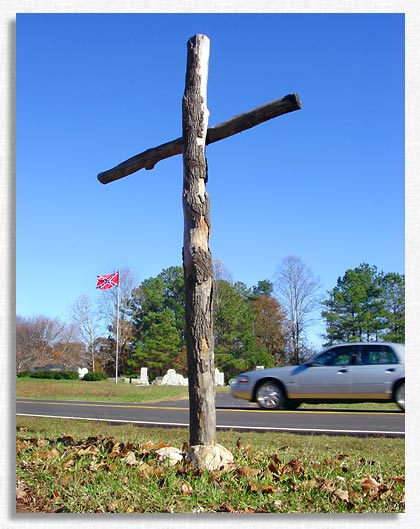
(197, 260)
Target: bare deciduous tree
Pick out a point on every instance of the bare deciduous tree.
(297, 288)
(40, 340)
(220, 273)
(25, 353)
(87, 323)
(128, 281)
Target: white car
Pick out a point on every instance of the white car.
(356, 372)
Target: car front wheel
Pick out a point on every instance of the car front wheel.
(270, 396)
(399, 396)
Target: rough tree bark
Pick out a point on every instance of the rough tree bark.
(197, 260)
(149, 158)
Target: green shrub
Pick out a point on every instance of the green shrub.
(43, 374)
(24, 374)
(56, 375)
(129, 375)
(66, 375)
(94, 376)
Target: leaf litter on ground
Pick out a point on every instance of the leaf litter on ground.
(257, 482)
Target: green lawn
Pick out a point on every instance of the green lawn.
(108, 390)
(78, 466)
(104, 390)
(86, 467)
(93, 467)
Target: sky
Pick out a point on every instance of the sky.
(325, 183)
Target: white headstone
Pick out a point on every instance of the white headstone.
(144, 379)
(82, 371)
(219, 377)
(172, 378)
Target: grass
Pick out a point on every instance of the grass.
(83, 467)
(109, 391)
(86, 467)
(104, 390)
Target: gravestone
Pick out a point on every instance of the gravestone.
(172, 378)
(219, 377)
(144, 379)
(82, 371)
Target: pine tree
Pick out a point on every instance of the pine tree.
(365, 306)
(159, 343)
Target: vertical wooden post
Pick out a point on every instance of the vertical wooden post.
(197, 260)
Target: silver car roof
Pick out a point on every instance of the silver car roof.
(400, 347)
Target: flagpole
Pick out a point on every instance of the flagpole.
(118, 331)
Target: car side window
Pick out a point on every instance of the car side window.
(341, 356)
(376, 354)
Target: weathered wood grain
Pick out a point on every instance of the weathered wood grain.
(197, 260)
(149, 158)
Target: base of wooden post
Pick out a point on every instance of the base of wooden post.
(209, 457)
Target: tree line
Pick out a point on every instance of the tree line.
(266, 324)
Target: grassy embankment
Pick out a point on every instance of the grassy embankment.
(104, 390)
(108, 390)
(88, 467)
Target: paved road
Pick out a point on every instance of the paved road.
(231, 413)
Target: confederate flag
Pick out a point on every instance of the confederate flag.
(107, 281)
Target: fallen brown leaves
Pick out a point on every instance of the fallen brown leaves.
(268, 482)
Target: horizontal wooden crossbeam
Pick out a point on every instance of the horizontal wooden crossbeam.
(148, 159)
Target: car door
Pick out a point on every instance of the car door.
(376, 367)
(327, 376)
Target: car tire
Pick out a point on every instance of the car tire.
(399, 396)
(270, 396)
